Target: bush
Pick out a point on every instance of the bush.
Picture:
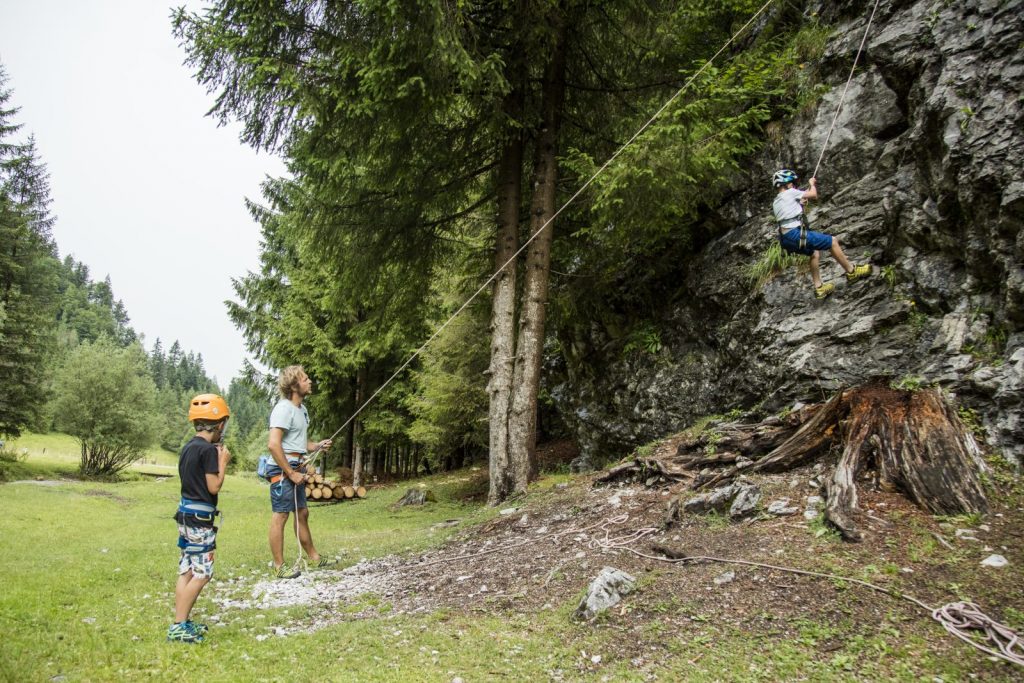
(106, 400)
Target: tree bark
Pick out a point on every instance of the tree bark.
(913, 442)
(357, 454)
(530, 343)
(917, 444)
(503, 305)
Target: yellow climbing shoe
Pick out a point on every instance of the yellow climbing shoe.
(858, 272)
(824, 290)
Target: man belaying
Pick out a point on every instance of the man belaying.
(288, 444)
(201, 468)
(796, 237)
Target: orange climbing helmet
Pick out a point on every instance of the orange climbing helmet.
(209, 407)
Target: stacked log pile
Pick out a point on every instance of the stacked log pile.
(319, 488)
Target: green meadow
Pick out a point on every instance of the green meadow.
(89, 570)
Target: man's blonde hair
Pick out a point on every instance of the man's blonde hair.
(288, 382)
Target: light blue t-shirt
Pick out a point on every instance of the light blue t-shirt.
(295, 423)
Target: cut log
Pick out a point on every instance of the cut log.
(326, 492)
(812, 439)
(348, 491)
(360, 491)
(317, 494)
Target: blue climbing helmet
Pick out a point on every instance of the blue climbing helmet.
(783, 177)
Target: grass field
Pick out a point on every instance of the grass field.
(59, 454)
(89, 573)
(89, 590)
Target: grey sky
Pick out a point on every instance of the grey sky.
(145, 188)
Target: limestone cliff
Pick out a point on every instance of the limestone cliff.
(924, 177)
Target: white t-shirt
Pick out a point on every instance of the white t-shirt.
(787, 208)
(294, 420)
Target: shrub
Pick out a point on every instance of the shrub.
(105, 399)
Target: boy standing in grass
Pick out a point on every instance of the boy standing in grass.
(201, 468)
(796, 238)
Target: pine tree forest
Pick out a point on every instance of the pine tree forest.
(430, 145)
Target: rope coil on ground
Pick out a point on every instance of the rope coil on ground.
(960, 617)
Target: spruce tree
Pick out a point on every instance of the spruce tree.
(28, 276)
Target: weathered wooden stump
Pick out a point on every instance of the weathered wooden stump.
(415, 497)
(911, 441)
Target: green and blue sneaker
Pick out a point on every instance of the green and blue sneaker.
(183, 632)
(201, 629)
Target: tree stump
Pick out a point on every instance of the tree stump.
(917, 444)
(910, 441)
(415, 497)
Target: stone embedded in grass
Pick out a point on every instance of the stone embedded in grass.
(605, 591)
(782, 508)
(995, 561)
(745, 502)
(725, 577)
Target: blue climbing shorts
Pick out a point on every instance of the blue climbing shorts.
(201, 564)
(286, 496)
(816, 241)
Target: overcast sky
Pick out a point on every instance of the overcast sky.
(145, 187)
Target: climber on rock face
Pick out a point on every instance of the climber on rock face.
(796, 238)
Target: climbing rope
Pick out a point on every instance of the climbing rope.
(959, 617)
(548, 222)
(842, 98)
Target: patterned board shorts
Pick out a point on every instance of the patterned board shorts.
(201, 564)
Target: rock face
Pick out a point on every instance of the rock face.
(924, 178)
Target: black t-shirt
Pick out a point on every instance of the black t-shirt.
(198, 458)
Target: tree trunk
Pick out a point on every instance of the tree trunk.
(357, 454)
(917, 444)
(499, 385)
(530, 343)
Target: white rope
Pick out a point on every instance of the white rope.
(571, 199)
(959, 617)
(842, 98)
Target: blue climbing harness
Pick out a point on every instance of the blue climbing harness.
(195, 513)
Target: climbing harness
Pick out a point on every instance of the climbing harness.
(192, 511)
(804, 227)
